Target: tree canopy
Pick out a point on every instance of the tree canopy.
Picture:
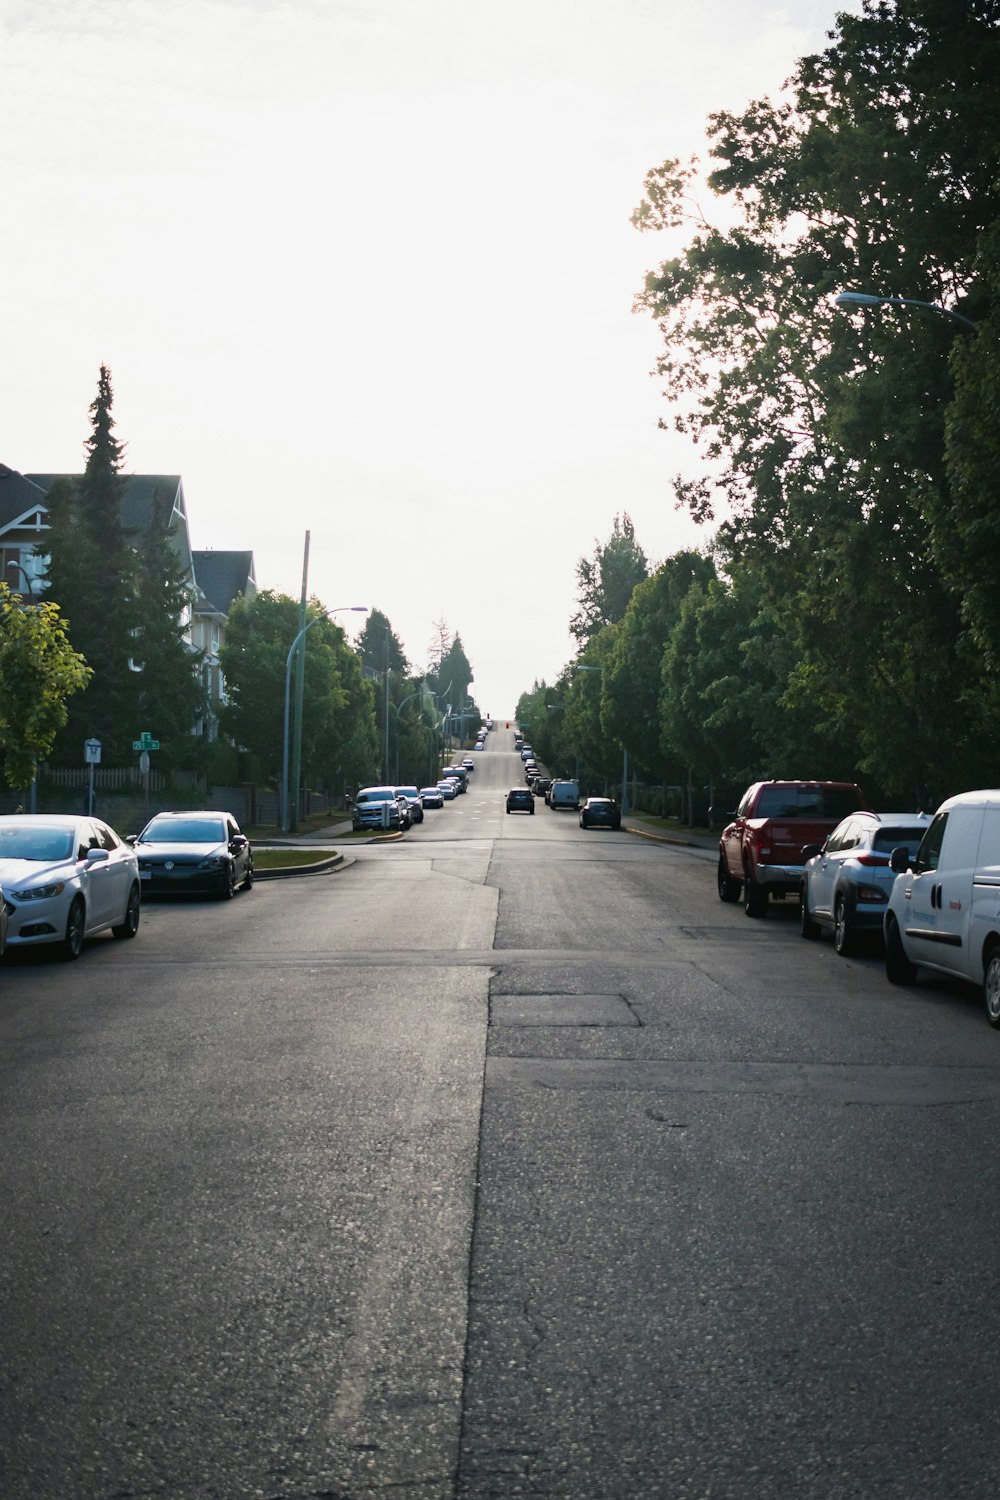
(849, 458)
(39, 673)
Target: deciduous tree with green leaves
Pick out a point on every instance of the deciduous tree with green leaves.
(824, 432)
(339, 740)
(605, 580)
(39, 673)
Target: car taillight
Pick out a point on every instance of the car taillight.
(880, 860)
(872, 894)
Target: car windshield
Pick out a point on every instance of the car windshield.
(380, 794)
(44, 844)
(184, 831)
(406, 791)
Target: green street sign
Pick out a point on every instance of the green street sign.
(145, 742)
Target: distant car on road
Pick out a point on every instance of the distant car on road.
(600, 812)
(65, 879)
(431, 797)
(448, 788)
(519, 799)
(193, 853)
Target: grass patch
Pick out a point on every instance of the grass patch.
(288, 859)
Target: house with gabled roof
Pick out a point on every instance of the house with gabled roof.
(23, 523)
(215, 578)
(222, 577)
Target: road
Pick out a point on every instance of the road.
(505, 1162)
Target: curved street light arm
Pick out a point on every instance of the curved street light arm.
(870, 299)
(321, 615)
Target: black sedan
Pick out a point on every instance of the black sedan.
(600, 812)
(196, 853)
(519, 799)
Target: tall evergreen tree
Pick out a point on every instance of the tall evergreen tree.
(164, 674)
(92, 579)
(379, 646)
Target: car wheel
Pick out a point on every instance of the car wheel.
(248, 877)
(991, 986)
(531, 809)
(807, 927)
(129, 925)
(729, 889)
(843, 934)
(898, 968)
(754, 897)
(228, 887)
(72, 943)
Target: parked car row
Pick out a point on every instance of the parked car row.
(927, 887)
(399, 807)
(65, 878)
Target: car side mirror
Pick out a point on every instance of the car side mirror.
(132, 838)
(900, 860)
(97, 856)
(810, 851)
(239, 842)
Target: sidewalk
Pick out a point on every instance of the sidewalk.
(661, 833)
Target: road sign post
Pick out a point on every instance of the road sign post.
(91, 758)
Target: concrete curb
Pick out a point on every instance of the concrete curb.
(318, 867)
(660, 838)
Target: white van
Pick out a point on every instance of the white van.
(564, 794)
(944, 907)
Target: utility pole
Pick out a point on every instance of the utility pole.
(300, 685)
(385, 701)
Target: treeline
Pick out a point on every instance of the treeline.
(844, 618)
(107, 653)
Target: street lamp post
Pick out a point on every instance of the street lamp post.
(870, 299)
(397, 709)
(323, 615)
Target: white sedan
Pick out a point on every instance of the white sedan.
(64, 879)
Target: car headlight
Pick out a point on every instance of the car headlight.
(213, 862)
(41, 892)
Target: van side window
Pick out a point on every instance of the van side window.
(930, 846)
(989, 839)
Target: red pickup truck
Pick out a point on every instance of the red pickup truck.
(760, 851)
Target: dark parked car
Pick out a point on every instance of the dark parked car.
(411, 797)
(600, 812)
(847, 881)
(519, 799)
(197, 853)
(541, 785)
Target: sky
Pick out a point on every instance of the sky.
(364, 269)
